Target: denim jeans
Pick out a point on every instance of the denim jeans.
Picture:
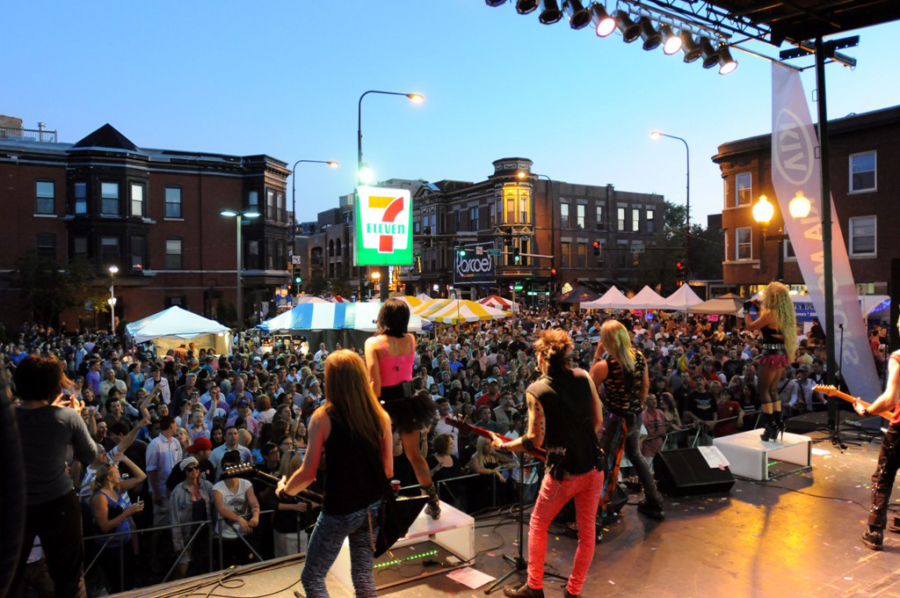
(326, 542)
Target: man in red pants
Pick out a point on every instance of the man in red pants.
(564, 417)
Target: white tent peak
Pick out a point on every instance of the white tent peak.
(646, 299)
(611, 299)
(682, 299)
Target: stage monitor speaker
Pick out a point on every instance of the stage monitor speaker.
(684, 472)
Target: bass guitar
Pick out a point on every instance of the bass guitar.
(248, 472)
(465, 428)
(831, 391)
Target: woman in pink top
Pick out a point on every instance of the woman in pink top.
(390, 355)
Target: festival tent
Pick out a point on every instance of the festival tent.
(306, 299)
(498, 302)
(330, 316)
(727, 305)
(682, 299)
(579, 295)
(454, 311)
(647, 298)
(176, 327)
(423, 297)
(611, 299)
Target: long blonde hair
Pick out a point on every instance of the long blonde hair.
(349, 397)
(617, 342)
(776, 300)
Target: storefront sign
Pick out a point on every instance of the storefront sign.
(383, 227)
(473, 268)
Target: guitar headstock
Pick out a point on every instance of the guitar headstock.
(238, 471)
(458, 423)
(826, 389)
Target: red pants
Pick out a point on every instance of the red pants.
(585, 489)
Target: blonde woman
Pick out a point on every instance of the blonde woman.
(622, 372)
(355, 431)
(112, 511)
(777, 323)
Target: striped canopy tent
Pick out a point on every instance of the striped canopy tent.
(682, 299)
(611, 299)
(330, 316)
(423, 297)
(646, 299)
(455, 311)
(498, 302)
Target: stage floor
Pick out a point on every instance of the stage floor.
(764, 539)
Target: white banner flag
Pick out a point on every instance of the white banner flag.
(796, 168)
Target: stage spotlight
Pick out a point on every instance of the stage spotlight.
(523, 7)
(495, 2)
(604, 23)
(726, 63)
(710, 56)
(551, 13)
(691, 49)
(579, 16)
(652, 38)
(630, 30)
(671, 42)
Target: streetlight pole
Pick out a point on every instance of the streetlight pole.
(331, 163)
(687, 202)
(113, 270)
(415, 98)
(239, 216)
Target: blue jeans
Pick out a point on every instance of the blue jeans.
(326, 542)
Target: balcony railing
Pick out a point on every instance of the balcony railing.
(28, 134)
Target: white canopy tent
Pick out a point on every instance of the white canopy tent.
(176, 327)
(682, 299)
(647, 299)
(611, 299)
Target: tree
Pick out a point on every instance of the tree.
(317, 284)
(339, 285)
(47, 288)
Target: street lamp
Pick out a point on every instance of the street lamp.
(240, 215)
(113, 270)
(687, 202)
(376, 278)
(763, 211)
(415, 98)
(332, 164)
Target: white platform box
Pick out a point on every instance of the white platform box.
(748, 455)
(454, 531)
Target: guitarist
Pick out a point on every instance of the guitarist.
(564, 415)
(888, 459)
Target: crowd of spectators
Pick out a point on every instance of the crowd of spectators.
(170, 424)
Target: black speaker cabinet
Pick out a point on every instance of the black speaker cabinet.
(684, 472)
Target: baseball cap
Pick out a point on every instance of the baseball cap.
(187, 462)
(200, 444)
(242, 403)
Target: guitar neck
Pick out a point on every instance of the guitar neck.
(833, 392)
(537, 453)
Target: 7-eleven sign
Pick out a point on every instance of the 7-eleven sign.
(383, 227)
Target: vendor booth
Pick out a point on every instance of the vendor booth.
(176, 328)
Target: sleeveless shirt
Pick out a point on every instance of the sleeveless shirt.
(351, 483)
(622, 393)
(395, 369)
(570, 439)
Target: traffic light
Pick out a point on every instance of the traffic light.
(597, 248)
(298, 280)
(462, 253)
(553, 273)
(517, 257)
(679, 270)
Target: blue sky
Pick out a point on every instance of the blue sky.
(283, 78)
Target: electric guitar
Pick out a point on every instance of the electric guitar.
(831, 391)
(248, 472)
(466, 428)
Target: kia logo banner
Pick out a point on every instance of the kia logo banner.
(473, 268)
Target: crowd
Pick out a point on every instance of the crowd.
(168, 426)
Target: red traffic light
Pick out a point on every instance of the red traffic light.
(553, 272)
(596, 244)
(679, 265)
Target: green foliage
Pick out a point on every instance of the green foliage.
(317, 284)
(48, 288)
(226, 314)
(339, 285)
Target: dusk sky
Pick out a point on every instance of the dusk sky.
(283, 78)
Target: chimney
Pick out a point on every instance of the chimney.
(41, 127)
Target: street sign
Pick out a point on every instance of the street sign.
(517, 287)
(295, 260)
(637, 249)
(479, 250)
(496, 252)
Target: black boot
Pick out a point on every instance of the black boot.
(433, 508)
(523, 592)
(779, 425)
(650, 510)
(768, 431)
(873, 538)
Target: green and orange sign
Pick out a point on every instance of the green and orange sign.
(383, 227)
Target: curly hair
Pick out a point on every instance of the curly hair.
(777, 300)
(554, 346)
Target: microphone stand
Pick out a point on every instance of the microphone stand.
(836, 438)
(520, 565)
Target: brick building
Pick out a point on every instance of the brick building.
(155, 214)
(864, 152)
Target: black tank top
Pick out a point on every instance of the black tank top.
(351, 482)
(570, 439)
(621, 391)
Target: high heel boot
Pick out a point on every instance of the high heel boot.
(779, 426)
(769, 428)
(433, 508)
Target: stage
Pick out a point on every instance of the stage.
(763, 539)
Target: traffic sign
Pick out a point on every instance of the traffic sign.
(295, 260)
(494, 252)
(479, 250)
(637, 249)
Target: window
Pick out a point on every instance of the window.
(636, 250)
(862, 172)
(109, 251)
(473, 219)
(179, 300)
(651, 228)
(280, 207)
(45, 192)
(621, 253)
(46, 245)
(417, 227)
(743, 243)
(109, 195)
(493, 215)
(743, 189)
(582, 255)
(253, 201)
(600, 218)
(602, 256)
(523, 247)
(137, 200)
(789, 250)
(564, 215)
(337, 248)
(621, 218)
(271, 210)
(862, 235)
(173, 254)
(579, 223)
(635, 220)
(138, 252)
(434, 229)
(81, 199)
(565, 250)
(173, 202)
(253, 255)
(79, 247)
